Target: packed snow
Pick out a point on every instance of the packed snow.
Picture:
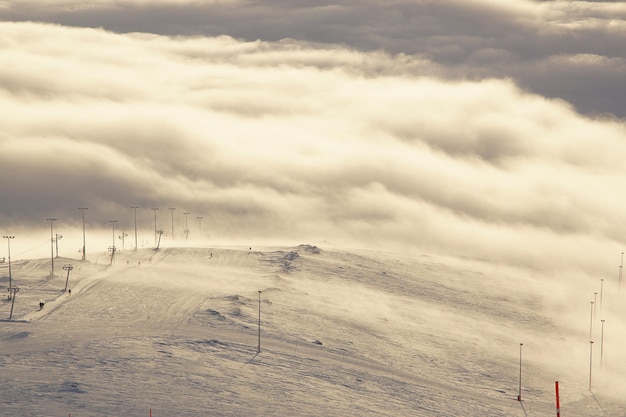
(344, 332)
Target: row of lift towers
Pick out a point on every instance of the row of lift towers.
(13, 289)
(54, 240)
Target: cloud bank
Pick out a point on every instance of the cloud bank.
(572, 50)
(288, 140)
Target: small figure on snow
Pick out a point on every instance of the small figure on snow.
(69, 291)
(41, 304)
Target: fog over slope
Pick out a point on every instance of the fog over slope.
(343, 333)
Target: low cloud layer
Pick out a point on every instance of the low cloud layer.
(306, 143)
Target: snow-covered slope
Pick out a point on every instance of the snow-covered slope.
(343, 333)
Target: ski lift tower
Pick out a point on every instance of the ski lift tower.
(159, 233)
(135, 209)
(186, 225)
(68, 268)
(8, 238)
(51, 220)
(56, 242)
(14, 291)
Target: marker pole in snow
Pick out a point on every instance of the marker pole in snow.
(135, 208)
(590, 361)
(602, 343)
(83, 210)
(258, 349)
(591, 323)
(519, 394)
(595, 304)
(601, 290)
(8, 238)
(558, 404)
(621, 268)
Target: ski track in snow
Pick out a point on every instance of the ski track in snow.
(343, 334)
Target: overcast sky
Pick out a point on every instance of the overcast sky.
(486, 128)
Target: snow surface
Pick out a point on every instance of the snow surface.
(344, 333)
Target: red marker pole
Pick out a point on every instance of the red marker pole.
(558, 404)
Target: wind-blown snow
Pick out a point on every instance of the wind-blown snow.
(343, 333)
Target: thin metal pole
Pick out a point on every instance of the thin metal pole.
(83, 210)
(621, 269)
(602, 344)
(186, 225)
(50, 219)
(15, 290)
(123, 237)
(8, 238)
(519, 395)
(601, 291)
(155, 229)
(9, 254)
(591, 323)
(590, 361)
(56, 242)
(135, 208)
(258, 349)
(113, 223)
(113, 247)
